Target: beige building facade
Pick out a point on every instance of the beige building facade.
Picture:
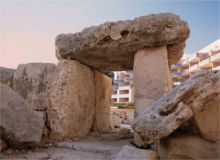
(123, 87)
(207, 58)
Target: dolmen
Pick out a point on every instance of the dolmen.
(74, 96)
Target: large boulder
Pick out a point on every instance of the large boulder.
(188, 146)
(32, 82)
(72, 97)
(103, 93)
(112, 45)
(6, 76)
(172, 110)
(129, 153)
(19, 124)
(207, 122)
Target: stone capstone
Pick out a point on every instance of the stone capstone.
(32, 82)
(19, 124)
(72, 97)
(6, 76)
(169, 112)
(112, 45)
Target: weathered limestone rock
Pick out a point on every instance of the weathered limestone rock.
(128, 152)
(6, 76)
(169, 112)
(207, 122)
(32, 82)
(19, 124)
(151, 77)
(3, 145)
(72, 110)
(115, 121)
(103, 93)
(186, 146)
(112, 45)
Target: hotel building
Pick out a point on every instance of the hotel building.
(207, 58)
(123, 87)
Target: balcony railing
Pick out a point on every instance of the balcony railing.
(115, 88)
(185, 72)
(205, 63)
(215, 58)
(118, 80)
(216, 68)
(128, 79)
(193, 59)
(193, 68)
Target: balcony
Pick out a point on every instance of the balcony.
(193, 59)
(205, 64)
(185, 73)
(127, 79)
(118, 80)
(175, 75)
(193, 68)
(185, 64)
(123, 87)
(114, 88)
(123, 91)
(215, 58)
(216, 68)
(175, 66)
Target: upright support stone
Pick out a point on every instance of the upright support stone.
(151, 79)
(72, 97)
(103, 92)
(151, 76)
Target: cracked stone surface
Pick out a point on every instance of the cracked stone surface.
(169, 112)
(112, 45)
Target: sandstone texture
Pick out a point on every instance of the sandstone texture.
(207, 122)
(169, 112)
(72, 110)
(3, 145)
(115, 121)
(112, 45)
(187, 146)
(19, 124)
(6, 76)
(32, 82)
(84, 149)
(103, 93)
(151, 77)
(129, 153)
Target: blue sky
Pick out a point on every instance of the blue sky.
(28, 28)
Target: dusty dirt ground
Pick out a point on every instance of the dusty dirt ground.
(70, 150)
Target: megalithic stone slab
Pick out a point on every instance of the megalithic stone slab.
(72, 101)
(103, 93)
(112, 45)
(169, 112)
(20, 125)
(151, 77)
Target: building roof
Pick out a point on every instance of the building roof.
(215, 46)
